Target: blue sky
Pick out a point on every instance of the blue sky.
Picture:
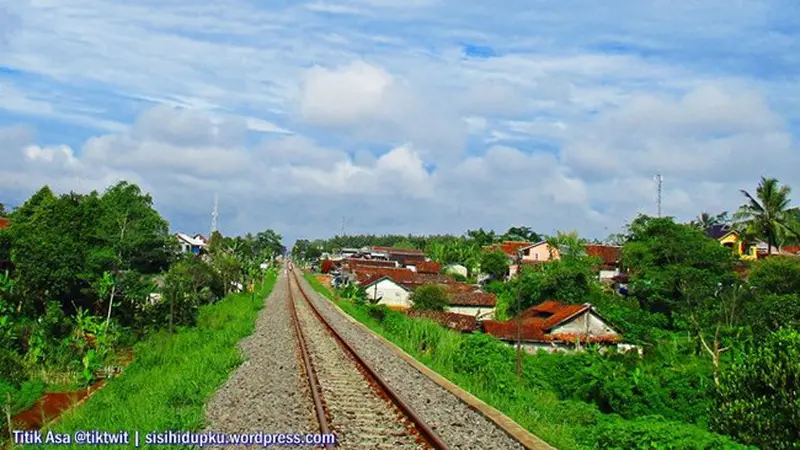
(415, 116)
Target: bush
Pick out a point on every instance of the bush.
(758, 398)
(776, 275)
(653, 433)
(429, 298)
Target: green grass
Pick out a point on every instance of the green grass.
(486, 368)
(172, 377)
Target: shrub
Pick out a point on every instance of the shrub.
(429, 298)
(776, 275)
(758, 396)
(653, 433)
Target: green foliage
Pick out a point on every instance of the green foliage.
(189, 284)
(548, 401)
(768, 215)
(495, 264)
(778, 275)
(624, 313)
(664, 256)
(355, 294)
(429, 298)
(758, 399)
(187, 367)
(649, 433)
(568, 280)
(772, 312)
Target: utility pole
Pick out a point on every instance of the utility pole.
(659, 179)
(518, 261)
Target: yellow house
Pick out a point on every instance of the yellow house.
(730, 238)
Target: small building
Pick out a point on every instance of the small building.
(610, 256)
(554, 326)
(192, 244)
(385, 291)
(537, 253)
(728, 237)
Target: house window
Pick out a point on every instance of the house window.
(536, 256)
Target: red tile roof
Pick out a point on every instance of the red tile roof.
(355, 262)
(326, 266)
(426, 266)
(4, 222)
(510, 248)
(366, 275)
(399, 251)
(609, 254)
(786, 248)
(464, 294)
(537, 321)
(458, 322)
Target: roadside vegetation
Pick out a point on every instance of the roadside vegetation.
(88, 279)
(174, 374)
(720, 367)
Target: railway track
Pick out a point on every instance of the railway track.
(350, 399)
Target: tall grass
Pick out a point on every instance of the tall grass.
(172, 376)
(487, 369)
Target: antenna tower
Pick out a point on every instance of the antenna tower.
(215, 214)
(659, 180)
(342, 225)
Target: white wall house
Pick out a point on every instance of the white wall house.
(479, 312)
(389, 293)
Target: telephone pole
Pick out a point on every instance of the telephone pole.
(659, 179)
(518, 261)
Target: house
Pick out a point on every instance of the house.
(475, 303)
(554, 326)
(458, 322)
(403, 256)
(423, 266)
(609, 256)
(385, 291)
(192, 244)
(351, 263)
(5, 222)
(535, 253)
(728, 237)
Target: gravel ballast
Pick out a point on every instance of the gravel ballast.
(455, 422)
(268, 392)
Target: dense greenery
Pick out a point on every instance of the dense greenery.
(173, 375)
(718, 334)
(578, 401)
(89, 274)
(429, 298)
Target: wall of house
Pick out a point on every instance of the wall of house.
(485, 312)
(390, 294)
(578, 325)
(608, 274)
(541, 252)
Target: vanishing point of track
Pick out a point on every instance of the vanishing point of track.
(350, 399)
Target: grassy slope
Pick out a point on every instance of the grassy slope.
(167, 385)
(565, 424)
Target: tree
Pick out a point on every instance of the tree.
(568, 280)
(663, 255)
(481, 237)
(495, 263)
(778, 275)
(3, 211)
(757, 399)
(768, 214)
(569, 245)
(705, 220)
(521, 234)
(429, 297)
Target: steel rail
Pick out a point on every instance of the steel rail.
(427, 433)
(313, 381)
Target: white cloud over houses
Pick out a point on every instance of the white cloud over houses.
(303, 114)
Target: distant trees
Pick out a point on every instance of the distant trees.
(706, 220)
(768, 213)
(495, 264)
(663, 256)
(429, 298)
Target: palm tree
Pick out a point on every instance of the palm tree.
(705, 220)
(768, 214)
